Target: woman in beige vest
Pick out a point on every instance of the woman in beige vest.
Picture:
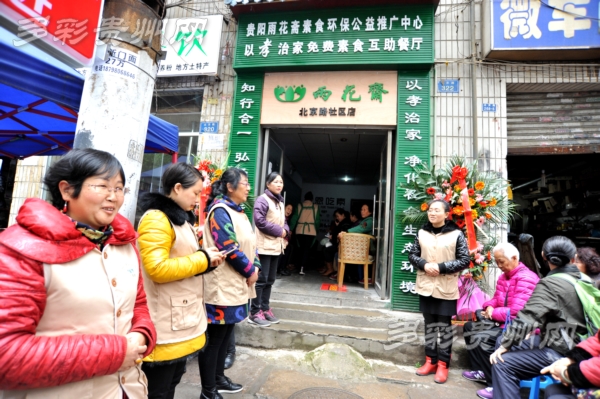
(227, 289)
(308, 221)
(439, 253)
(173, 272)
(73, 316)
(271, 231)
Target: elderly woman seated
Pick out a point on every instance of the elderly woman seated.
(513, 289)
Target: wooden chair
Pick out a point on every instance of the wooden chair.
(354, 249)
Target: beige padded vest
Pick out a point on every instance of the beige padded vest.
(438, 248)
(224, 286)
(270, 245)
(177, 307)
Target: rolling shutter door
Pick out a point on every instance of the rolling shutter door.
(553, 123)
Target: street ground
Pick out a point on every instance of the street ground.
(283, 374)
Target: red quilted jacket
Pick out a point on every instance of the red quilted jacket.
(512, 292)
(43, 235)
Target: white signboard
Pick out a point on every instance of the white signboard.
(119, 62)
(192, 46)
(209, 141)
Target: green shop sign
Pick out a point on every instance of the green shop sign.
(391, 35)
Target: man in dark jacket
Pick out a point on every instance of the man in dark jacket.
(555, 309)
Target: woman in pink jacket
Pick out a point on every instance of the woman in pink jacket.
(578, 372)
(513, 289)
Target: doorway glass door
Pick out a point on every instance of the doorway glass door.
(383, 218)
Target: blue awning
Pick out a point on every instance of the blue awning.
(39, 99)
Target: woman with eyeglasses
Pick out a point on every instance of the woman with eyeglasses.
(73, 316)
(439, 253)
(173, 270)
(228, 288)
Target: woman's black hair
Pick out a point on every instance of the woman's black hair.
(182, 173)
(272, 176)
(444, 203)
(369, 207)
(219, 187)
(355, 213)
(77, 166)
(559, 250)
(589, 257)
(308, 196)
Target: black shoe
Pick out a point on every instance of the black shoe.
(214, 394)
(285, 272)
(277, 276)
(229, 360)
(225, 385)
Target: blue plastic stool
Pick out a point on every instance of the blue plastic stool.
(537, 383)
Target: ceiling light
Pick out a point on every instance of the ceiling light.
(346, 178)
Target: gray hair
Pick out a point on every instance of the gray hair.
(507, 249)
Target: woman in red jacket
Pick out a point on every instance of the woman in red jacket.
(73, 316)
(579, 372)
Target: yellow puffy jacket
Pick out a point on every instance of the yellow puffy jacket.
(156, 239)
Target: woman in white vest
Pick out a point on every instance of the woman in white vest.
(271, 230)
(173, 268)
(439, 253)
(73, 316)
(227, 289)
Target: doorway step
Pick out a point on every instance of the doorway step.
(312, 317)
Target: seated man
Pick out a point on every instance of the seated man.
(513, 289)
(554, 308)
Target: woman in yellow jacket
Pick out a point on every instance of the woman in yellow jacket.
(173, 264)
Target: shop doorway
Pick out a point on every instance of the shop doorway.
(340, 167)
(8, 168)
(557, 195)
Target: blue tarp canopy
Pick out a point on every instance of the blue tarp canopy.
(39, 99)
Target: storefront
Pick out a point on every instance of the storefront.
(338, 100)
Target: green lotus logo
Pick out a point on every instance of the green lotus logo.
(292, 94)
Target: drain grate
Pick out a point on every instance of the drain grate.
(324, 393)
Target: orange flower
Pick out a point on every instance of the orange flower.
(489, 255)
(474, 213)
(424, 206)
(472, 201)
(458, 210)
(457, 188)
(479, 185)
(483, 204)
(488, 215)
(493, 202)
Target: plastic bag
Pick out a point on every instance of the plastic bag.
(470, 300)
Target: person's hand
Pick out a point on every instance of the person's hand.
(134, 352)
(556, 368)
(432, 269)
(494, 357)
(252, 279)
(216, 256)
(488, 312)
(284, 233)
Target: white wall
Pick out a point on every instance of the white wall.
(336, 191)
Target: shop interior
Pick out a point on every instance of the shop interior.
(341, 167)
(557, 195)
(8, 168)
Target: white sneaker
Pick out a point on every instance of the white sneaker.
(301, 271)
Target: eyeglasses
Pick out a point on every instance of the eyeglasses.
(106, 190)
(246, 184)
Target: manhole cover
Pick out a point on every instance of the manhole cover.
(324, 393)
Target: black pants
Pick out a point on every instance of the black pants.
(438, 325)
(305, 244)
(558, 391)
(480, 338)
(231, 346)
(163, 378)
(284, 259)
(211, 360)
(521, 363)
(265, 281)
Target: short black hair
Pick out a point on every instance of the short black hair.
(369, 206)
(272, 176)
(308, 196)
(444, 203)
(182, 173)
(76, 167)
(559, 250)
